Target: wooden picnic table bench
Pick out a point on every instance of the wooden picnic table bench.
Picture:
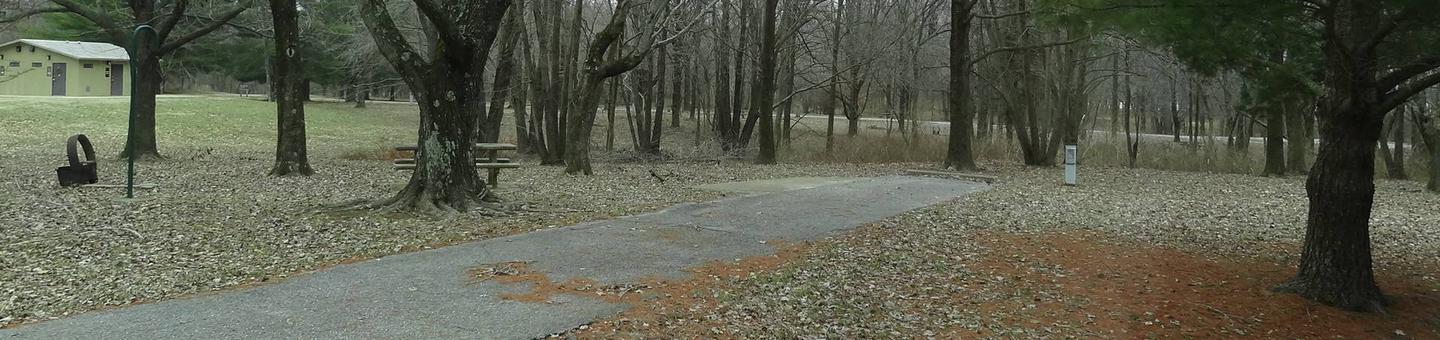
(489, 159)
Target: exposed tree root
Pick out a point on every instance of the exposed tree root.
(292, 170)
(1356, 299)
(416, 200)
(143, 156)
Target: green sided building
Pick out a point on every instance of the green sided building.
(31, 67)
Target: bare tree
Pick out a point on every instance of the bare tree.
(764, 94)
(290, 152)
(449, 85)
(597, 69)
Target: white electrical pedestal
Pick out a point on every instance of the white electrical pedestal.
(1071, 157)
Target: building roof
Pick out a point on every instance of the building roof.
(78, 49)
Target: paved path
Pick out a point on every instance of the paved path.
(428, 295)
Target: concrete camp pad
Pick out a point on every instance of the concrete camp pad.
(429, 294)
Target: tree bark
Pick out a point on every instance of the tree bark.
(489, 128)
(958, 154)
(596, 70)
(290, 150)
(656, 124)
(737, 106)
(852, 105)
(1335, 264)
(1274, 142)
(677, 83)
(445, 179)
(1295, 131)
(551, 49)
(765, 87)
(1427, 125)
(723, 128)
(146, 87)
(1394, 159)
(1132, 144)
(834, 93)
(534, 93)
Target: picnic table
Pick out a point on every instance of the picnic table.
(488, 159)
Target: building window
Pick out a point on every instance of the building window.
(88, 65)
(32, 49)
(2, 57)
(14, 64)
(17, 48)
(36, 64)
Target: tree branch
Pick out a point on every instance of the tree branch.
(1399, 96)
(1001, 16)
(117, 35)
(174, 44)
(442, 23)
(236, 26)
(390, 41)
(169, 23)
(1403, 73)
(989, 53)
(677, 35)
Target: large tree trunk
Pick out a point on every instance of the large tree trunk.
(1335, 265)
(737, 106)
(551, 49)
(489, 128)
(534, 93)
(722, 84)
(1132, 144)
(765, 85)
(656, 126)
(677, 89)
(445, 179)
(852, 105)
(596, 70)
(290, 153)
(834, 93)
(146, 87)
(723, 128)
(577, 159)
(958, 154)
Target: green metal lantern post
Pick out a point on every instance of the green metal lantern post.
(134, 82)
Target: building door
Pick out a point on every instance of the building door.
(57, 79)
(117, 79)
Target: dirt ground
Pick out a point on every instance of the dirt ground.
(1028, 260)
(1109, 288)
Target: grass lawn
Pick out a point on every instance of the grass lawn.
(190, 125)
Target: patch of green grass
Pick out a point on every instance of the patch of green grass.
(187, 122)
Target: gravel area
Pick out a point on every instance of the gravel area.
(216, 221)
(940, 272)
